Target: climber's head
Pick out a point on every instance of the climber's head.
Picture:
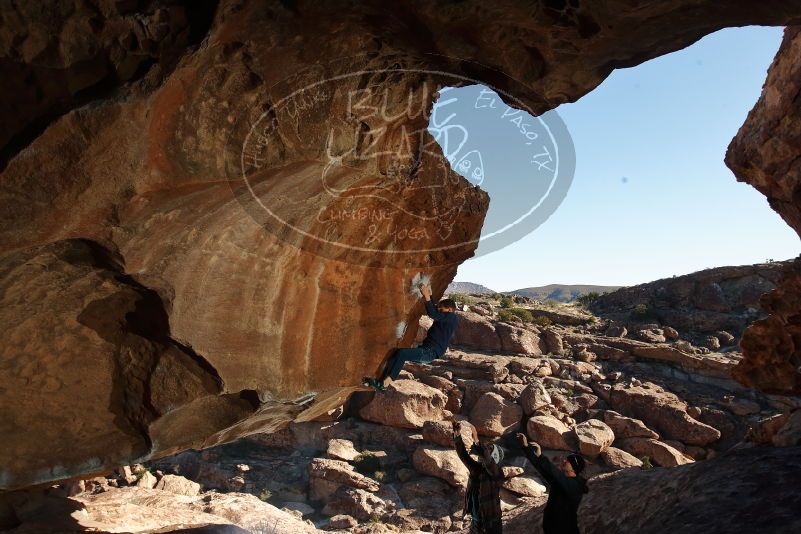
(488, 451)
(573, 465)
(446, 305)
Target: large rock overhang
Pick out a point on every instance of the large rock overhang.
(167, 278)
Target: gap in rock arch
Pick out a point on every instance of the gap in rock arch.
(651, 198)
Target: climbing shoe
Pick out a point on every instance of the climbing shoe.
(374, 383)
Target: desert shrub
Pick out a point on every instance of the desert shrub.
(367, 464)
(506, 301)
(139, 471)
(588, 299)
(461, 298)
(522, 313)
(265, 495)
(641, 312)
(505, 315)
(646, 462)
(541, 320)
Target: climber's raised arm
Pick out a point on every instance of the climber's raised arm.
(431, 309)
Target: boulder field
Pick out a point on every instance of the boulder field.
(664, 444)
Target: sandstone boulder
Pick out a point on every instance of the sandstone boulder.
(476, 332)
(616, 331)
(326, 476)
(761, 432)
(593, 437)
(147, 480)
(712, 496)
(178, 484)
(134, 509)
(342, 522)
(619, 459)
(485, 310)
(711, 342)
(627, 427)
(526, 486)
(492, 415)
(439, 433)
(724, 338)
(548, 431)
(553, 342)
(789, 435)
(651, 335)
(658, 452)
(446, 386)
(406, 404)
(670, 333)
(518, 340)
(341, 449)
(441, 463)
(357, 503)
(662, 411)
(534, 397)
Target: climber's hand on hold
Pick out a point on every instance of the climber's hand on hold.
(425, 289)
(521, 439)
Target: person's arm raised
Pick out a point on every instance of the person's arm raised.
(461, 450)
(549, 472)
(431, 310)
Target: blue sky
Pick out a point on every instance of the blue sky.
(651, 196)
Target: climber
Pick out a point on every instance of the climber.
(483, 498)
(434, 345)
(565, 488)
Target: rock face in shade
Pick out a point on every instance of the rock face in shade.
(766, 153)
(213, 314)
(713, 496)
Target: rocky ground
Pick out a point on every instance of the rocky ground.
(626, 394)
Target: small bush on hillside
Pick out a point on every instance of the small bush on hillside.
(523, 313)
(461, 298)
(506, 301)
(505, 315)
(588, 299)
(641, 312)
(646, 462)
(265, 495)
(541, 320)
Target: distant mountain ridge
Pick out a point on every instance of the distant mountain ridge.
(557, 292)
(468, 287)
(561, 292)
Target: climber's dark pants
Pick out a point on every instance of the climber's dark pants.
(401, 356)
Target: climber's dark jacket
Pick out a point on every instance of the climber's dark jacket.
(564, 495)
(439, 335)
